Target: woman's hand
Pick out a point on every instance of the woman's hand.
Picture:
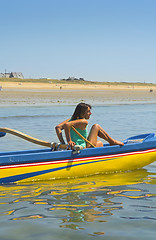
(71, 144)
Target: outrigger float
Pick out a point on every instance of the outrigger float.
(56, 162)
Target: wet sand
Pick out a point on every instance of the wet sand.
(47, 94)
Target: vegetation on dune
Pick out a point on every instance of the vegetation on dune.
(84, 82)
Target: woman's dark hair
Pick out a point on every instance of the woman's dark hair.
(80, 109)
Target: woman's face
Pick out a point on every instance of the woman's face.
(87, 113)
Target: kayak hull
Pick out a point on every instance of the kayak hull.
(44, 164)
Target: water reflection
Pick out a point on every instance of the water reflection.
(74, 201)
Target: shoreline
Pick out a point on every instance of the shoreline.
(42, 94)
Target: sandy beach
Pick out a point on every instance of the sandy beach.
(26, 93)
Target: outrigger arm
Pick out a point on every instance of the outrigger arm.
(26, 137)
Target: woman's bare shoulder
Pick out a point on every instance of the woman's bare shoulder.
(79, 123)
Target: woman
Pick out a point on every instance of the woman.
(79, 120)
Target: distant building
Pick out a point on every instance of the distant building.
(4, 75)
(74, 79)
(16, 75)
(12, 75)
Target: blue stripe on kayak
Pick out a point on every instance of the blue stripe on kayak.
(34, 174)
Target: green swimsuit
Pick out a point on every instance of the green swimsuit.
(78, 140)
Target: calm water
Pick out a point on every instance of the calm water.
(113, 206)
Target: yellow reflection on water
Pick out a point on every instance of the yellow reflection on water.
(39, 202)
(78, 185)
(119, 193)
(7, 212)
(28, 217)
(82, 199)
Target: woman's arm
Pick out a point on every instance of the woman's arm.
(59, 129)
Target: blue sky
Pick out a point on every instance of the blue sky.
(99, 40)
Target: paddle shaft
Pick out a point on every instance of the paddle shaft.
(86, 140)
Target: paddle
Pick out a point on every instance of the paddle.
(3, 132)
(86, 140)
